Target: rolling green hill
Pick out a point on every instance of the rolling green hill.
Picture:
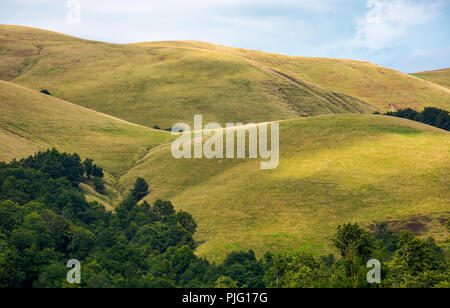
(31, 121)
(333, 168)
(373, 84)
(440, 77)
(162, 83)
(158, 85)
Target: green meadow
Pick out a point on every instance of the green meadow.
(338, 162)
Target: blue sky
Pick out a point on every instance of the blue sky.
(407, 35)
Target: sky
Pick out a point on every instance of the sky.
(407, 35)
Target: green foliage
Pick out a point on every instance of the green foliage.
(55, 164)
(297, 269)
(97, 171)
(90, 169)
(99, 185)
(226, 283)
(350, 238)
(88, 165)
(418, 263)
(60, 165)
(46, 221)
(406, 262)
(140, 189)
(380, 232)
(245, 269)
(430, 115)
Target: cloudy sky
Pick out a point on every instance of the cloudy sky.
(408, 35)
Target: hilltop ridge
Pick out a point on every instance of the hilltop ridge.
(162, 83)
(440, 77)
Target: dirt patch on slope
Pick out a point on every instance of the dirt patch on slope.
(416, 225)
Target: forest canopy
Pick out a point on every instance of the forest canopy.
(45, 221)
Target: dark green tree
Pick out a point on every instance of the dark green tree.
(97, 171)
(88, 165)
(98, 184)
(418, 263)
(140, 189)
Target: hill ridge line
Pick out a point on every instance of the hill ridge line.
(82, 107)
(431, 83)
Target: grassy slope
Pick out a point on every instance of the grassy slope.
(162, 83)
(440, 77)
(333, 169)
(157, 85)
(31, 121)
(365, 81)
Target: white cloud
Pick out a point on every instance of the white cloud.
(388, 20)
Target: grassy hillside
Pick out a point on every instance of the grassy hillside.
(440, 77)
(162, 83)
(333, 169)
(31, 121)
(159, 85)
(373, 84)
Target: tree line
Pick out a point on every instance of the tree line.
(45, 221)
(430, 115)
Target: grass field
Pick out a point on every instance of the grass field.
(440, 77)
(162, 83)
(333, 168)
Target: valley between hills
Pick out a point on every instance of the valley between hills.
(339, 162)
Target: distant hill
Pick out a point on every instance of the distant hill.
(162, 83)
(440, 77)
